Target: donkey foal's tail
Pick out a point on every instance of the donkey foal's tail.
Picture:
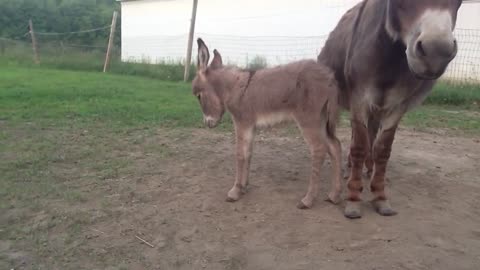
(332, 115)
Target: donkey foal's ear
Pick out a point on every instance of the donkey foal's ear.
(217, 60)
(203, 54)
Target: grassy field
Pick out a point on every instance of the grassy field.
(65, 97)
(68, 138)
(18, 53)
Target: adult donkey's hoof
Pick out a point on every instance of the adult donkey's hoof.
(383, 208)
(353, 210)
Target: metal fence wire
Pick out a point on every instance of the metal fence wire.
(466, 65)
(241, 51)
(244, 51)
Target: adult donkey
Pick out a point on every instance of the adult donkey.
(386, 55)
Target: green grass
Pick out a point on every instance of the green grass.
(42, 94)
(19, 54)
(59, 97)
(465, 95)
(453, 119)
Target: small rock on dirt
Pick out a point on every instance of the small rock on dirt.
(338, 248)
(160, 242)
(187, 235)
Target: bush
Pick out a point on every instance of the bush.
(258, 62)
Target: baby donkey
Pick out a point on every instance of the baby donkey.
(304, 91)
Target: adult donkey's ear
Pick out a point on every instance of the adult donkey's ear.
(217, 60)
(393, 24)
(203, 55)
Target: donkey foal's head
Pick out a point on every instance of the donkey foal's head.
(207, 86)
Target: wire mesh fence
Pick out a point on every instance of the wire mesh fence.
(63, 51)
(245, 51)
(466, 65)
(235, 50)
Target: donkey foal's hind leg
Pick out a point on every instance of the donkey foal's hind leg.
(317, 150)
(335, 152)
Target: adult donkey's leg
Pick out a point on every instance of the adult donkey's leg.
(373, 126)
(244, 140)
(381, 153)
(346, 172)
(358, 151)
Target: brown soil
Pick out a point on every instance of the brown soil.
(172, 194)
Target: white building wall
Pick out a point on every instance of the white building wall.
(278, 30)
(469, 16)
(466, 66)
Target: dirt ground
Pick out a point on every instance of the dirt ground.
(171, 193)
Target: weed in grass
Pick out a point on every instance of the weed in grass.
(467, 95)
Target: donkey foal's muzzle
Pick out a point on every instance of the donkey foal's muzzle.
(210, 121)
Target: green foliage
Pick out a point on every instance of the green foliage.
(58, 16)
(258, 62)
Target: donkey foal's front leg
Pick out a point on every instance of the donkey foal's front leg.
(244, 141)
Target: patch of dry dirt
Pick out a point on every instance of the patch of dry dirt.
(176, 202)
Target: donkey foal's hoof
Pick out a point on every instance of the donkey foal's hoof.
(303, 206)
(383, 208)
(352, 210)
(333, 198)
(234, 194)
(228, 199)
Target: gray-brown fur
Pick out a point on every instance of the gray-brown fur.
(304, 91)
(386, 55)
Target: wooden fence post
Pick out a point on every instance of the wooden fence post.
(110, 41)
(34, 43)
(188, 61)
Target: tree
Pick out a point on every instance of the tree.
(58, 16)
